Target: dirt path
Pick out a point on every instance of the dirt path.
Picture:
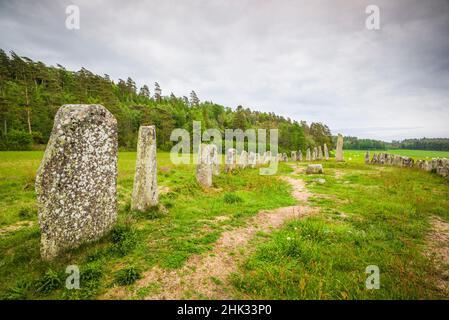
(438, 251)
(207, 275)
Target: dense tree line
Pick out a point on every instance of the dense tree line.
(353, 143)
(439, 144)
(31, 93)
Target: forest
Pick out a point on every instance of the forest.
(31, 93)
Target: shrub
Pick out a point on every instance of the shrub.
(127, 276)
(18, 292)
(124, 239)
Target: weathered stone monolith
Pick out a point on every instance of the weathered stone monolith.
(308, 156)
(326, 152)
(339, 151)
(314, 153)
(76, 183)
(367, 159)
(204, 168)
(320, 153)
(145, 193)
(299, 156)
(243, 160)
(293, 155)
(230, 160)
(252, 159)
(284, 157)
(215, 159)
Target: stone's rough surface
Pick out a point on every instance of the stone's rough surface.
(204, 167)
(367, 160)
(320, 153)
(339, 152)
(230, 160)
(294, 156)
(243, 160)
(76, 183)
(215, 160)
(326, 152)
(145, 192)
(314, 168)
(308, 156)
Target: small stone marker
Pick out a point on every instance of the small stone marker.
(204, 167)
(326, 152)
(145, 192)
(339, 152)
(76, 183)
(314, 169)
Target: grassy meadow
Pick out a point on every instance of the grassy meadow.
(367, 215)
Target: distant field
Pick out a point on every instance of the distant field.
(358, 155)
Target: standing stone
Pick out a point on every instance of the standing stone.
(76, 183)
(204, 167)
(284, 157)
(215, 160)
(299, 157)
(145, 194)
(308, 157)
(320, 153)
(293, 154)
(326, 152)
(252, 159)
(339, 152)
(367, 157)
(230, 160)
(243, 160)
(314, 154)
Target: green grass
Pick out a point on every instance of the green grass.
(368, 216)
(184, 224)
(371, 215)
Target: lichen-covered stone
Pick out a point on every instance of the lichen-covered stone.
(308, 156)
(314, 169)
(204, 167)
(326, 152)
(145, 192)
(230, 160)
(339, 151)
(76, 183)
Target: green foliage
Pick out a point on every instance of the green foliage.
(16, 140)
(124, 239)
(48, 282)
(127, 276)
(31, 93)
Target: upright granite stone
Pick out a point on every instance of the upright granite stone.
(145, 193)
(339, 152)
(252, 159)
(299, 156)
(230, 160)
(293, 155)
(243, 160)
(308, 156)
(76, 183)
(367, 159)
(215, 159)
(326, 152)
(320, 153)
(204, 168)
(314, 153)
(284, 157)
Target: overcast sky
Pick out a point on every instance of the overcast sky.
(308, 60)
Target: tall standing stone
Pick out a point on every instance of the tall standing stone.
(299, 156)
(76, 183)
(308, 157)
(252, 159)
(230, 160)
(293, 155)
(339, 152)
(284, 157)
(145, 193)
(215, 159)
(326, 152)
(243, 160)
(204, 168)
(314, 154)
(367, 159)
